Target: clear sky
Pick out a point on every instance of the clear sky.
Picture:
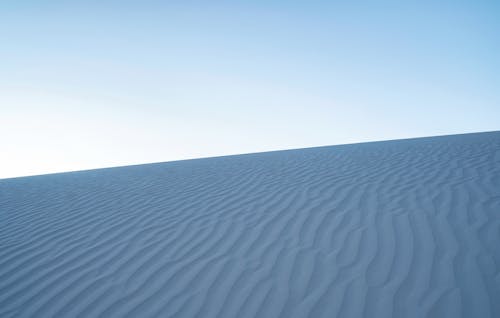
(88, 84)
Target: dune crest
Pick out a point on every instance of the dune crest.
(405, 228)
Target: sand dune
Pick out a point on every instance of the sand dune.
(407, 228)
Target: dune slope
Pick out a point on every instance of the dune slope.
(407, 228)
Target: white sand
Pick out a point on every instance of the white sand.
(407, 228)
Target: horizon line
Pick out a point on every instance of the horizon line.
(250, 153)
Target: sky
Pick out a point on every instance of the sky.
(91, 84)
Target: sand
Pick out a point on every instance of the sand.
(406, 228)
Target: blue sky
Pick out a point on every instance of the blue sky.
(108, 83)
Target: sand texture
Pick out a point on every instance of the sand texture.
(407, 228)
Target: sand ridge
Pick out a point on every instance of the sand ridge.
(405, 228)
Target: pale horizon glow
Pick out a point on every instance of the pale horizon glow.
(122, 82)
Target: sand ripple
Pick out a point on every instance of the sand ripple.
(407, 228)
